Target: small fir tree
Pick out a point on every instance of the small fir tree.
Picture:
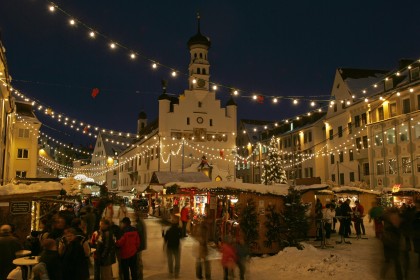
(248, 222)
(295, 218)
(273, 171)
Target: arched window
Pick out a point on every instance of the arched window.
(201, 55)
(199, 104)
(198, 71)
(204, 71)
(195, 55)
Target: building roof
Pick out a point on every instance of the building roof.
(231, 102)
(190, 177)
(142, 115)
(359, 79)
(112, 144)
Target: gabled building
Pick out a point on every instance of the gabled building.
(192, 128)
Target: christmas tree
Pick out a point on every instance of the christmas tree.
(274, 226)
(273, 171)
(295, 218)
(248, 222)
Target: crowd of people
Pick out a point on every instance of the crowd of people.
(67, 238)
(397, 227)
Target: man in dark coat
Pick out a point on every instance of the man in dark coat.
(345, 221)
(173, 251)
(51, 258)
(9, 245)
(105, 249)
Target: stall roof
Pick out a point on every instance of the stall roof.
(140, 188)
(344, 189)
(281, 189)
(402, 190)
(161, 178)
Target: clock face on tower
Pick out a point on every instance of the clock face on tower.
(200, 120)
(201, 83)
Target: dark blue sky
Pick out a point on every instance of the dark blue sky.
(267, 47)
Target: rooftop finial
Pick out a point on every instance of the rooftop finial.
(198, 21)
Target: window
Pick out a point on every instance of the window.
(365, 142)
(341, 156)
(152, 154)
(341, 178)
(340, 131)
(381, 113)
(309, 136)
(380, 167)
(20, 174)
(198, 70)
(188, 121)
(23, 153)
(335, 107)
(364, 119)
(392, 109)
(357, 121)
(378, 139)
(351, 176)
(332, 160)
(350, 128)
(390, 136)
(366, 169)
(418, 163)
(406, 165)
(351, 155)
(404, 132)
(306, 172)
(114, 173)
(417, 130)
(114, 184)
(406, 106)
(199, 104)
(331, 134)
(311, 172)
(415, 73)
(23, 133)
(389, 83)
(358, 143)
(204, 71)
(392, 166)
(211, 122)
(333, 177)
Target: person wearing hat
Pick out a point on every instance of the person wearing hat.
(129, 244)
(9, 245)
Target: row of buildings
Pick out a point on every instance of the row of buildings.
(367, 136)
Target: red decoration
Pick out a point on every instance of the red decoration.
(85, 129)
(260, 99)
(95, 92)
(222, 154)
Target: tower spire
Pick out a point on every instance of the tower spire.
(198, 22)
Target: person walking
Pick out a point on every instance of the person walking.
(141, 230)
(9, 245)
(122, 212)
(229, 258)
(345, 220)
(129, 244)
(375, 214)
(173, 249)
(185, 216)
(105, 249)
(203, 252)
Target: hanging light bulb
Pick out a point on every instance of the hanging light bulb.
(215, 87)
(235, 92)
(92, 34)
(411, 90)
(275, 100)
(398, 93)
(133, 55)
(112, 45)
(312, 103)
(366, 100)
(72, 22)
(154, 65)
(194, 81)
(295, 101)
(173, 73)
(364, 91)
(52, 8)
(254, 97)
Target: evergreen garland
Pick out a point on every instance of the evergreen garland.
(274, 226)
(273, 171)
(295, 218)
(248, 222)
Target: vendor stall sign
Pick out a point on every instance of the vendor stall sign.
(396, 188)
(20, 207)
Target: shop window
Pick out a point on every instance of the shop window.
(380, 167)
(20, 174)
(392, 166)
(406, 165)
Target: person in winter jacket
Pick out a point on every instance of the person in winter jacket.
(9, 245)
(129, 244)
(173, 249)
(51, 258)
(328, 215)
(229, 258)
(105, 249)
(185, 216)
(122, 212)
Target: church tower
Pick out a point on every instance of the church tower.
(199, 67)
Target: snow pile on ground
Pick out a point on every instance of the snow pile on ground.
(292, 263)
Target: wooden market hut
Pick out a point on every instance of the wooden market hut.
(399, 196)
(366, 197)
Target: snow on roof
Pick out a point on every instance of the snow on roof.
(353, 189)
(279, 189)
(11, 189)
(402, 190)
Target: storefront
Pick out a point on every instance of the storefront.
(403, 196)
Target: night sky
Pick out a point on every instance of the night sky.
(272, 48)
